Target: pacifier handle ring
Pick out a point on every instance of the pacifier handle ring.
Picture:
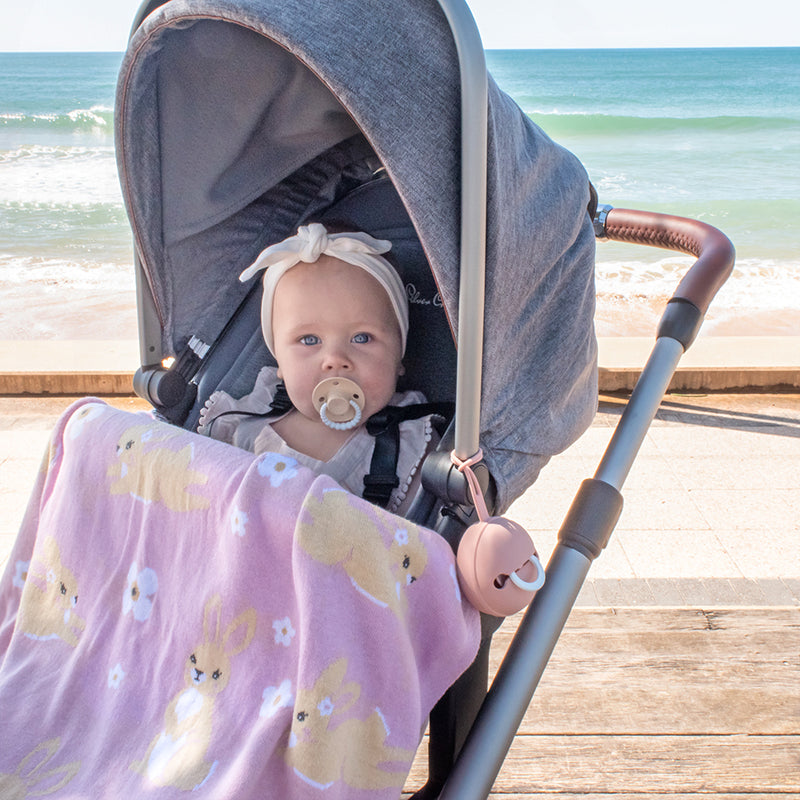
(530, 586)
(341, 426)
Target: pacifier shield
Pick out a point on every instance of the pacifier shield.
(339, 401)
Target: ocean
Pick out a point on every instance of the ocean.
(712, 134)
(66, 264)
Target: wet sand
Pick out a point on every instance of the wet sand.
(57, 312)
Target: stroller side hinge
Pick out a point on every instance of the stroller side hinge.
(160, 387)
(169, 389)
(443, 479)
(599, 220)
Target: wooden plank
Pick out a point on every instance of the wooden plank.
(746, 627)
(660, 702)
(539, 793)
(598, 765)
(627, 796)
(679, 671)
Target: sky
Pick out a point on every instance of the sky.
(49, 25)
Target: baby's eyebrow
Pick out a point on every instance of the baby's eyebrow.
(302, 330)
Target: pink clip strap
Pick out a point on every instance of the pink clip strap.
(465, 467)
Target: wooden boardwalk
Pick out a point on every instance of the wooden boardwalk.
(661, 703)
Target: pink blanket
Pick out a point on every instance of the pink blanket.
(180, 615)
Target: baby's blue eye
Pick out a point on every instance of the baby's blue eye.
(310, 339)
(361, 338)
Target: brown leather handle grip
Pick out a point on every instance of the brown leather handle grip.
(712, 248)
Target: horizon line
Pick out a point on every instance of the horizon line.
(491, 48)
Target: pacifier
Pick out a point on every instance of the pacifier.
(339, 402)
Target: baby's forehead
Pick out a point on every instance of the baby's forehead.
(315, 298)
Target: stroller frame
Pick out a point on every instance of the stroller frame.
(594, 513)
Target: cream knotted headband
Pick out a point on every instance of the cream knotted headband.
(312, 241)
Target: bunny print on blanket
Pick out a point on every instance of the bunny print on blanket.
(152, 473)
(379, 566)
(289, 641)
(50, 595)
(177, 755)
(324, 747)
(36, 776)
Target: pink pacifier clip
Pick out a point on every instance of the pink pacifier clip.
(491, 550)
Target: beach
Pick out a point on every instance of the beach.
(679, 660)
(709, 134)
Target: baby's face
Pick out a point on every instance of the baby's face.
(332, 319)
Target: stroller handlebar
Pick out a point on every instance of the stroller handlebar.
(712, 248)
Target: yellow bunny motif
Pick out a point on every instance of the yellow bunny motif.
(49, 598)
(333, 531)
(323, 748)
(153, 473)
(35, 777)
(177, 755)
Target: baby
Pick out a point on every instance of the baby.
(334, 315)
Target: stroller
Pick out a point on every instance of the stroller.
(238, 121)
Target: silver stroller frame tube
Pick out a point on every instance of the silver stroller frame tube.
(472, 277)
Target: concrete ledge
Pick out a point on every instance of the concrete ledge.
(713, 363)
(67, 367)
(59, 384)
(81, 367)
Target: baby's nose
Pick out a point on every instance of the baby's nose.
(336, 359)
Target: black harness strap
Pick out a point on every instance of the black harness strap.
(280, 405)
(385, 427)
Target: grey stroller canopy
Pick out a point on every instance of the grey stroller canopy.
(219, 103)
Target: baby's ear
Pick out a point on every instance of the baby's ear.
(278, 374)
(401, 370)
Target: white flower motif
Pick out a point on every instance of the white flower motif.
(115, 676)
(284, 632)
(275, 698)
(139, 591)
(277, 468)
(239, 522)
(325, 707)
(401, 536)
(21, 574)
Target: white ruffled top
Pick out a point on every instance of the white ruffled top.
(350, 464)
